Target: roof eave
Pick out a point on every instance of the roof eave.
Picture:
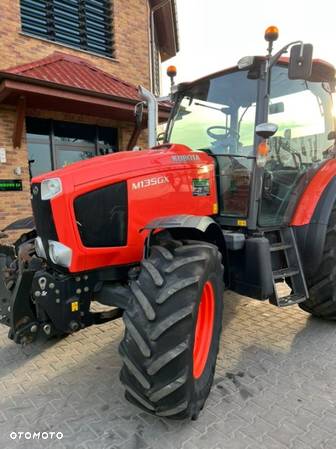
(49, 96)
(44, 83)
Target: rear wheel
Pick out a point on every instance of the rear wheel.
(172, 329)
(322, 286)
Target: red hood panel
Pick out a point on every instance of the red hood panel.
(131, 162)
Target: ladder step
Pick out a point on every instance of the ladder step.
(285, 273)
(289, 300)
(280, 246)
(291, 269)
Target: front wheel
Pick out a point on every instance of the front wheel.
(172, 329)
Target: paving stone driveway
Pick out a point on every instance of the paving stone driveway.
(275, 387)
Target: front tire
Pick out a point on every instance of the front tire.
(172, 329)
(322, 286)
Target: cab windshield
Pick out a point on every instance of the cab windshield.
(217, 115)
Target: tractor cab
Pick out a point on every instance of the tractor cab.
(224, 115)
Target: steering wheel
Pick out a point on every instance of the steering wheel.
(297, 159)
(220, 137)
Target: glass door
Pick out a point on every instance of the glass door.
(54, 144)
(39, 156)
(67, 154)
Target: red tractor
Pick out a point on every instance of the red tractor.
(241, 194)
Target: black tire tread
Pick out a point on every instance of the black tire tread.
(156, 346)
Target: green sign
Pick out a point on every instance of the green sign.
(200, 187)
(10, 185)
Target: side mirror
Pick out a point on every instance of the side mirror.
(138, 112)
(300, 62)
(266, 130)
(276, 108)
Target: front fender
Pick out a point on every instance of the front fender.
(192, 227)
(181, 221)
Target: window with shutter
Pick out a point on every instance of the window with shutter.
(84, 24)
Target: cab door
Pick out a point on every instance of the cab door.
(303, 112)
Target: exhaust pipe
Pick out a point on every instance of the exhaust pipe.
(153, 113)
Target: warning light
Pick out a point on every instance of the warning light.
(271, 34)
(171, 71)
(263, 149)
(262, 153)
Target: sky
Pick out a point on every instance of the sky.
(215, 34)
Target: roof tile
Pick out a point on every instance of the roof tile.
(72, 71)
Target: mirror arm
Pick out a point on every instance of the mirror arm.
(166, 98)
(273, 60)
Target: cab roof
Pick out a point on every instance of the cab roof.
(322, 71)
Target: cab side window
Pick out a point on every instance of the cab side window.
(302, 111)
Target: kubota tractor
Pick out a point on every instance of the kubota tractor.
(241, 194)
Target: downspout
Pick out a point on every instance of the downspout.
(152, 36)
(146, 95)
(153, 113)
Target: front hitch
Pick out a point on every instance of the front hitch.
(16, 308)
(42, 299)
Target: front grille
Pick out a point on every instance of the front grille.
(102, 216)
(43, 217)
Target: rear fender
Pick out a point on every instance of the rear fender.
(311, 236)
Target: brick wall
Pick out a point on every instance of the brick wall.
(131, 32)
(15, 205)
(131, 64)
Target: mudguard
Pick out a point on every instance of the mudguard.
(181, 221)
(192, 227)
(23, 223)
(311, 236)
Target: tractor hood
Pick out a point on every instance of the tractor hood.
(126, 165)
(94, 212)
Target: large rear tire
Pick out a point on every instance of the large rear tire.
(322, 286)
(172, 329)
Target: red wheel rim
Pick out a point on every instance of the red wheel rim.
(204, 330)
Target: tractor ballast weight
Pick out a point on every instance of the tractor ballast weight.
(234, 197)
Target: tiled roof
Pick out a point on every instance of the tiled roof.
(72, 71)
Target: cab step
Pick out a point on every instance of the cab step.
(279, 247)
(289, 300)
(290, 271)
(285, 273)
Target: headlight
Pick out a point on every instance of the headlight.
(50, 188)
(39, 248)
(60, 254)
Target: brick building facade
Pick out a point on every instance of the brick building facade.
(51, 55)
